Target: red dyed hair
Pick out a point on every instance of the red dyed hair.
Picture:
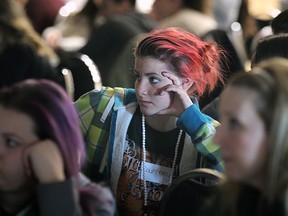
(188, 55)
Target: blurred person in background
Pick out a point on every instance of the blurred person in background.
(42, 13)
(226, 12)
(106, 42)
(194, 16)
(71, 32)
(270, 47)
(254, 143)
(23, 53)
(42, 152)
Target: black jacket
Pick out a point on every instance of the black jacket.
(20, 61)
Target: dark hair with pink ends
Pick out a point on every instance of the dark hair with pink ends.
(54, 116)
(188, 56)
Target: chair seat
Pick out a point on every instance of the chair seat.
(188, 192)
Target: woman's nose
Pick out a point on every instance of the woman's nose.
(141, 88)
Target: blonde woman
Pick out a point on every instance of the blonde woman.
(254, 143)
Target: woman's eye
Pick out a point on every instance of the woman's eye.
(11, 143)
(153, 80)
(233, 123)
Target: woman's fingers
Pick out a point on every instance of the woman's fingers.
(174, 79)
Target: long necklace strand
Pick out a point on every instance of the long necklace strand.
(143, 164)
(144, 160)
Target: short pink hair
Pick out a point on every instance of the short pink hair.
(187, 54)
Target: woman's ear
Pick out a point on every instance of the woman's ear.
(186, 83)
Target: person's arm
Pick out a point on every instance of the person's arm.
(201, 128)
(58, 199)
(63, 199)
(61, 195)
(54, 191)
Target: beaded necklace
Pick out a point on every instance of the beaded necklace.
(144, 160)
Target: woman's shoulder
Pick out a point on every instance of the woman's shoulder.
(106, 94)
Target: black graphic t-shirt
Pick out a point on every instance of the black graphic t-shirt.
(160, 150)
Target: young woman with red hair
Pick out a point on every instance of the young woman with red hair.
(139, 140)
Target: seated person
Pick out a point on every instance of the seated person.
(23, 53)
(157, 125)
(42, 151)
(253, 138)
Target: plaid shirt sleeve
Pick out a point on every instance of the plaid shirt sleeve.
(95, 129)
(210, 151)
(202, 128)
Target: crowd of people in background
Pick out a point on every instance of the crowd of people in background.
(185, 85)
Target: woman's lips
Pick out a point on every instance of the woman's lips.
(143, 102)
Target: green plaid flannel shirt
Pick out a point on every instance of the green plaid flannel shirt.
(95, 122)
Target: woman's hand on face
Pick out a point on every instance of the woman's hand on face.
(44, 160)
(180, 100)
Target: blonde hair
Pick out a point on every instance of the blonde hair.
(269, 79)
